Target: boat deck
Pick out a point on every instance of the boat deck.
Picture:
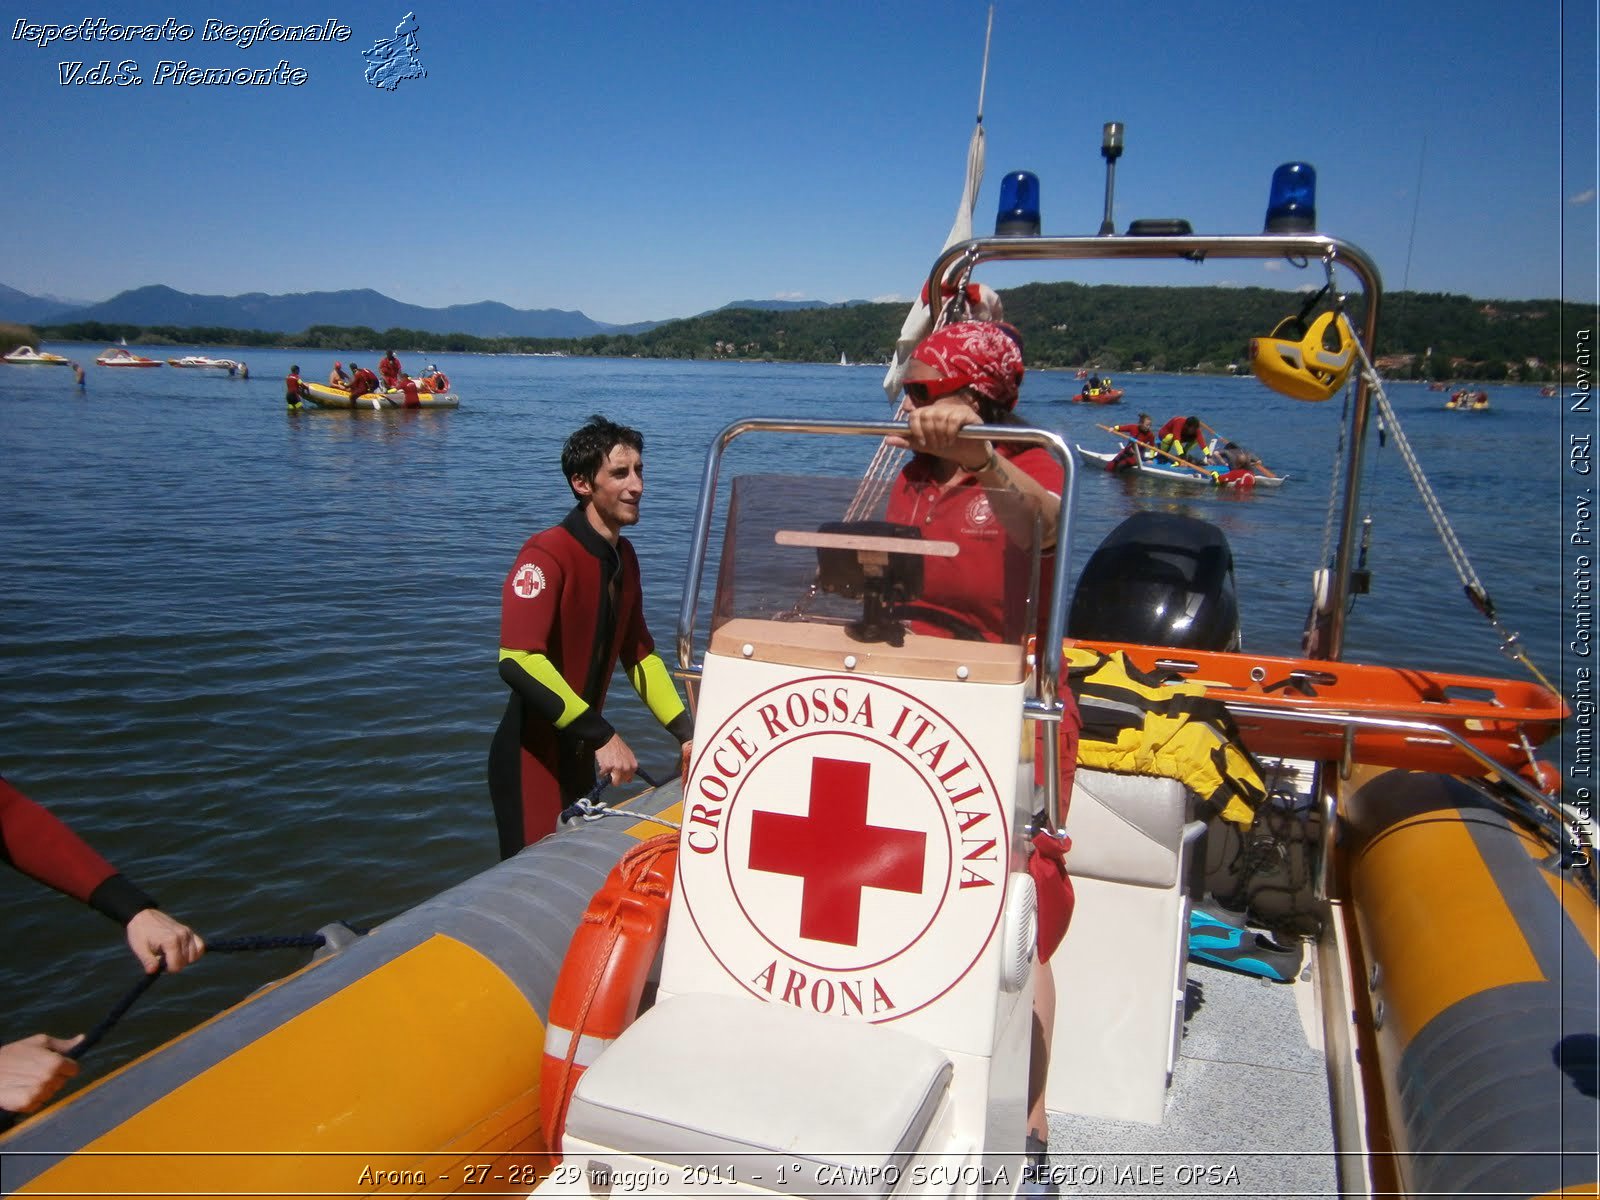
(1245, 1115)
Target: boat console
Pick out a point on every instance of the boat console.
(852, 914)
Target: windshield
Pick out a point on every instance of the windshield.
(934, 561)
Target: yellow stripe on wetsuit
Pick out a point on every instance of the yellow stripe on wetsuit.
(649, 677)
(541, 671)
(651, 680)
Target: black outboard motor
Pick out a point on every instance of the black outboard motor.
(1159, 579)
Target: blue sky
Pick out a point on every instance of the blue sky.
(656, 158)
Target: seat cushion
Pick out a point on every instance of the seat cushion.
(1126, 828)
(700, 1075)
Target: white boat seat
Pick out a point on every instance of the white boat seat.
(1126, 828)
(702, 1074)
(1121, 968)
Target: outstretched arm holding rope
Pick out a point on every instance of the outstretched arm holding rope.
(42, 847)
(34, 1069)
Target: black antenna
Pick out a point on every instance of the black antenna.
(1110, 150)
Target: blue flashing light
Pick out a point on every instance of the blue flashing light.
(1292, 203)
(1019, 206)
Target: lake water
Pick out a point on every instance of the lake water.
(250, 654)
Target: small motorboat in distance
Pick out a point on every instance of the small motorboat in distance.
(1098, 395)
(201, 360)
(121, 356)
(27, 356)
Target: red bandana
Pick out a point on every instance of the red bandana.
(985, 354)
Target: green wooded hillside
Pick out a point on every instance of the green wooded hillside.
(1110, 327)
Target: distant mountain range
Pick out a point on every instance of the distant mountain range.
(159, 305)
(33, 310)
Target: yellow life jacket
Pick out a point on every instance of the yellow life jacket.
(1136, 723)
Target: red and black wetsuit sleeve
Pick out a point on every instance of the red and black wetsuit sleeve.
(41, 847)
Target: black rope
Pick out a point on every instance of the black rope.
(236, 945)
(92, 1038)
(146, 981)
(287, 941)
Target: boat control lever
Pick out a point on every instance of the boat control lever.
(878, 561)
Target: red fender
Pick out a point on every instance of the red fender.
(1543, 775)
(603, 975)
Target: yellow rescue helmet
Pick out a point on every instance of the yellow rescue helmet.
(1313, 366)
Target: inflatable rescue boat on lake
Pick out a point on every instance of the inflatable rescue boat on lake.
(323, 396)
(833, 939)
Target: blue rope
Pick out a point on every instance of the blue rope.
(588, 806)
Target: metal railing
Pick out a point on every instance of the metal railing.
(958, 261)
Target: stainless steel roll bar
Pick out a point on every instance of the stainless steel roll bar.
(1045, 704)
(958, 261)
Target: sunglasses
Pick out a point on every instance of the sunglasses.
(928, 390)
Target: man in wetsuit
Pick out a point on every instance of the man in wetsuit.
(389, 368)
(570, 607)
(36, 843)
(1181, 438)
(362, 381)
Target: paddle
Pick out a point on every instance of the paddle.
(1260, 466)
(1211, 475)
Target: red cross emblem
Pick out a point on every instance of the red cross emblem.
(528, 582)
(835, 852)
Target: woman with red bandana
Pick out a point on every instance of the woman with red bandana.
(969, 374)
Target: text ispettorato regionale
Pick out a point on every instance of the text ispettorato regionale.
(98, 29)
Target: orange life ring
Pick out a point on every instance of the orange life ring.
(604, 972)
(440, 382)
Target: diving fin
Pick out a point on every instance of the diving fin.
(1224, 944)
